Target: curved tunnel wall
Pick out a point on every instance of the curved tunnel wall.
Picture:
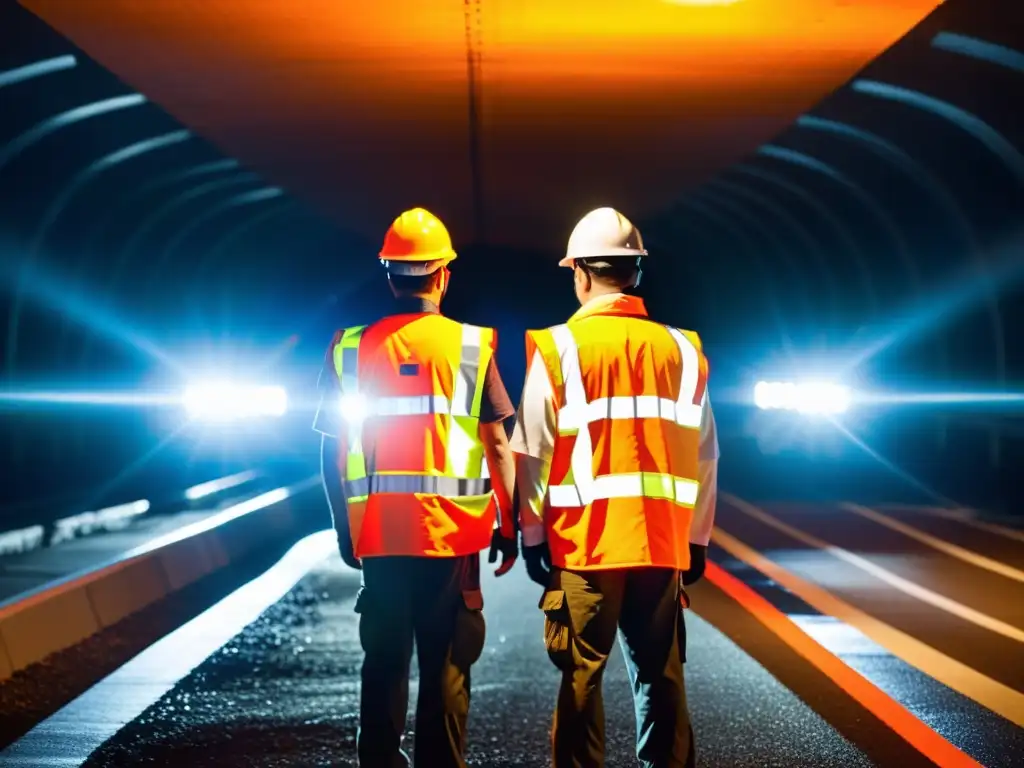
(887, 229)
(131, 247)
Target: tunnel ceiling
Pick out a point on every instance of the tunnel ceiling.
(363, 108)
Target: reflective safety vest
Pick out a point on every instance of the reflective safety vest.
(629, 395)
(414, 471)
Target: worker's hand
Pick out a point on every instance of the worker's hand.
(538, 563)
(698, 558)
(509, 549)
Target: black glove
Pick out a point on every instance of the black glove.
(698, 557)
(509, 549)
(538, 563)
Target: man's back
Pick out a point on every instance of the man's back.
(627, 355)
(424, 339)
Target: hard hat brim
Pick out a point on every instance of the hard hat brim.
(412, 268)
(446, 255)
(569, 261)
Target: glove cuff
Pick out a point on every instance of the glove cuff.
(533, 536)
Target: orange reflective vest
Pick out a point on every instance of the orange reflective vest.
(629, 395)
(414, 471)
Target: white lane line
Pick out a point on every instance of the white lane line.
(989, 693)
(71, 735)
(966, 518)
(211, 487)
(898, 582)
(936, 543)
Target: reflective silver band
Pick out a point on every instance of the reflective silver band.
(349, 361)
(408, 406)
(469, 370)
(688, 413)
(574, 415)
(449, 487)
(634, 485)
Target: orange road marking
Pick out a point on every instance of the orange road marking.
(926, 741)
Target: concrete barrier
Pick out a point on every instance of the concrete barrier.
(121, 516)
(61, 614)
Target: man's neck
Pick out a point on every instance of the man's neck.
(418, 303)
(601, 294)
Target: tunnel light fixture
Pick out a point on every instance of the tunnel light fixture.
(811, 397)
(226, 401)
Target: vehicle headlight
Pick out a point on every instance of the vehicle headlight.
(224, 401)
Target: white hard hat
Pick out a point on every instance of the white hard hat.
(603, 232)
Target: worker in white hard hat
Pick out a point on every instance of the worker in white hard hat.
(616, 471)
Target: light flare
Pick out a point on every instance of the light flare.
(804, 397)
(225, 401)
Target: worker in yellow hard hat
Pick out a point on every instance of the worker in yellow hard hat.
(419, 476)
(617, 466)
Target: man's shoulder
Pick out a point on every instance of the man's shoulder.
(349, 329)
(464, 324)
(336, 338)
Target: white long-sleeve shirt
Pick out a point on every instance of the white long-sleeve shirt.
(534, 442)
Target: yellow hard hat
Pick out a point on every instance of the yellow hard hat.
(417, 239)
(603, 232)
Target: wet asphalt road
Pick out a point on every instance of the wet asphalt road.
(284, 692)
(950, 578)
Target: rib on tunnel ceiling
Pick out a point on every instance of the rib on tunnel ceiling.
(363, 108)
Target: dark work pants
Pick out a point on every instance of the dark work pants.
(437, 603)
(584, 610)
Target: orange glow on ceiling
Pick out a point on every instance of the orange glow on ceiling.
(577, 38)
(681, 86)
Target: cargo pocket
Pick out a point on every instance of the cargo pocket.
(557, 628)
(361, 599)
(470, 629)
(369, 619)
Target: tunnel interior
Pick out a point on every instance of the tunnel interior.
(874, 233)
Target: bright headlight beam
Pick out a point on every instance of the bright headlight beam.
(804, 397)
(224, 401)
(941, 398)
(354, 408)
(99, 398)
(822, 398)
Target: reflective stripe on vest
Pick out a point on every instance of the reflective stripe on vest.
(450, 487)
(467, 474)
(580, 487)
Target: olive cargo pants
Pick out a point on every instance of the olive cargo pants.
(436, 602)
(584, 610)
